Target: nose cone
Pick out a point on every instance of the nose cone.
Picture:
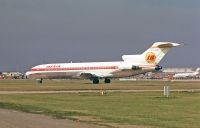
(27, 74)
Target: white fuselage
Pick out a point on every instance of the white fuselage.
(185, 75)
(131, 65)
(74, 70)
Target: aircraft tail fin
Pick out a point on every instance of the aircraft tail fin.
(157, 51)
(153, 55)
(197, 71)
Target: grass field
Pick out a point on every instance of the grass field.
(149, 109)
(53, 85)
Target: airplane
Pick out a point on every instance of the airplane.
(187, 75)
(130, 66)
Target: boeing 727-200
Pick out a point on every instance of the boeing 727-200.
(130, 66)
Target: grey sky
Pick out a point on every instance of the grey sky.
(33, 32)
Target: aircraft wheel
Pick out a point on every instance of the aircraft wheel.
(95, 81)
(40, 81)
(107, 80)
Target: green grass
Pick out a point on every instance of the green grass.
(150, 109)
(32, 85)
(180, 110)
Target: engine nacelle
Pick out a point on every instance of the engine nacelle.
(128, 67)
(158, 68)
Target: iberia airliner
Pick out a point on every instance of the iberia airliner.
(130, 66)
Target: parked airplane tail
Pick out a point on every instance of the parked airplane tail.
(153, 55)
(197, 71)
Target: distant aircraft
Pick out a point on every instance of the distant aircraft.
(130, 66)
(187, 75)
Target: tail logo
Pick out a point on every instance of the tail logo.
(150, 57)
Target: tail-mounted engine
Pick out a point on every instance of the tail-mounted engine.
(158, 68)
(128, 67)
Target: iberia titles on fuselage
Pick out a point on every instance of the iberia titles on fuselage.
(130, 66)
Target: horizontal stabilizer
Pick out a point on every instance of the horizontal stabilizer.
(164, 45)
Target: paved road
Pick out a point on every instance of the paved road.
(15, 119)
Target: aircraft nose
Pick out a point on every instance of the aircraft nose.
(27, 74)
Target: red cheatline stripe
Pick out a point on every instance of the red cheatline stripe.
(74, 68)
(83, 68)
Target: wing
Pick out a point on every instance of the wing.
(90, 75)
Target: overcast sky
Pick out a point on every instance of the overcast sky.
(34, 32)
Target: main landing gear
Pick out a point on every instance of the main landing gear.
(107, 81)
(96, 81)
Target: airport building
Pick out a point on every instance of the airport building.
(11, 75)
